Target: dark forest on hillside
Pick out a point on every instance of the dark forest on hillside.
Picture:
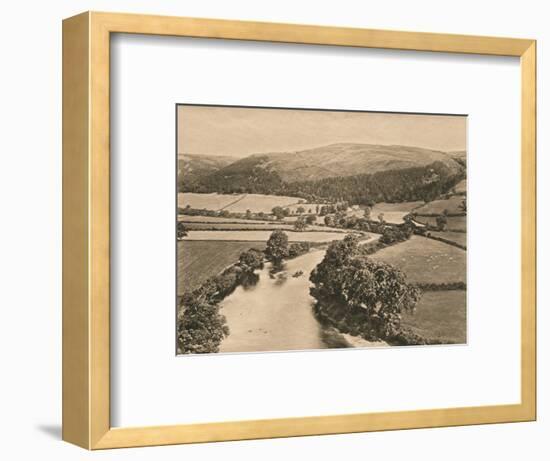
(400, 185)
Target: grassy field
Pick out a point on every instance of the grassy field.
(237, 226)
(452, 205)
(454, 223)
(235, 203)
(215, 219)
(254, 226)
(262, 236)
(425, 260)
(197, 261)
(403, 206)
(440, 315)
(292, 219)
(257, 202)
(394, 212)
(207, 201)
(458, 237)
(460, 188)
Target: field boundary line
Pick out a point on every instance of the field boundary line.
(448, 242)
(232, 203)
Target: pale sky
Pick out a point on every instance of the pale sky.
(238, 132)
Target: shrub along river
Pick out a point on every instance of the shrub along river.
(275, 313)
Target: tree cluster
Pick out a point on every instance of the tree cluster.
(300, 224)
(359, 294)
(298, 249)
(200, 327)
(277, 247)
(395, 234)
(280, 212)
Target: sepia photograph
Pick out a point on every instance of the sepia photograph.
(309, 229)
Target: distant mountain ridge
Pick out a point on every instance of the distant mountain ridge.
(335, 171)
(191, 167)
(344, 159)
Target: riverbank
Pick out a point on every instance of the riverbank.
(276, 313)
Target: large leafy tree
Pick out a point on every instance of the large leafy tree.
(277, 247)
(311, 219)
(279, 212)
(300, 224)
(367, 212)
(201, 328)
(252, 259)
(441, 222)
(363, 290)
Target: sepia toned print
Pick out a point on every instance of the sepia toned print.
(313, 229)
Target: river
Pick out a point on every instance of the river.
(276, 313)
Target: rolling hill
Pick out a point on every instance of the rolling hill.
(345, 171)
(338, 160)
(194, 167)
(459, 156)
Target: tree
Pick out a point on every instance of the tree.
(342, 206)
(367, 212)
(366, 295)
(395, 234)
(300, 224)
(441, 221)
(181, 231)
(317, 209)
(363, 224)
(201, 328)
(311, 219)
(228, 280)
(278, 212)
(328, 221)
(339, 253)
(301, 210)
(277, 247)
(351, 222)
(297, 249)
(248, 214)
(381, 218)
(462, 206)
(340, 218)
(251, 259)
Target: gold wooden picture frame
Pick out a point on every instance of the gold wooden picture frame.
(86, 230)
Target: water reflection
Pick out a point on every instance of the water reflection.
(276, 268)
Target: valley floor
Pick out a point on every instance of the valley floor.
(276, 313)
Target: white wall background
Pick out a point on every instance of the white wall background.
(30, 234)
